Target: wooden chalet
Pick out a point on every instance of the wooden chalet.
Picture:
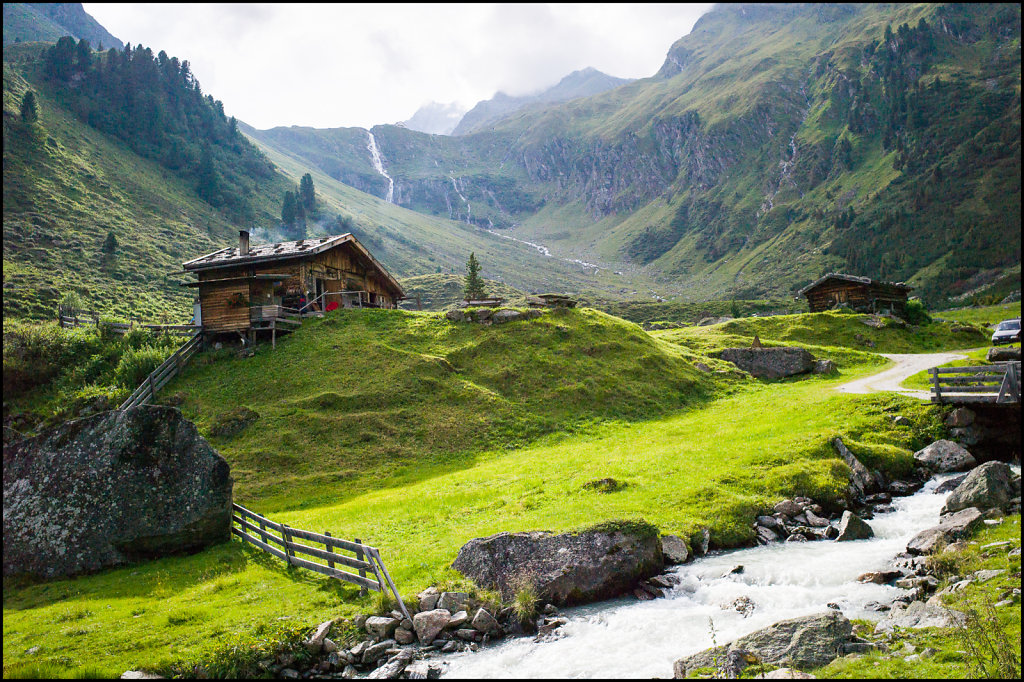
(858, 293)
(247, 288)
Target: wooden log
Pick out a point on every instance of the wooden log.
(391, 584)
(330, 550)
(323, 539)
(986, 388)
(263, 532)
(335, 573)
(287, 543)
(259, 543)
(968, 370)
(969, 398)
(327, 556)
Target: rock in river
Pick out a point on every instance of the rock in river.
(570, 568)
(945, 455)
(810, 641)
(110, 489)
(852, 527)
(990, 486)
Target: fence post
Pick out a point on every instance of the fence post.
(935, 383)
(287, 542)
(362, 572)
(330, 549)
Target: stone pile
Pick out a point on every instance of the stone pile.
(488, 316)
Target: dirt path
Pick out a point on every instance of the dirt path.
(907, 364)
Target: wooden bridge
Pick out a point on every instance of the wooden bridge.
(998, 383)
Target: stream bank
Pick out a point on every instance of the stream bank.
(713, 603)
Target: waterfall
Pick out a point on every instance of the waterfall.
(379, 167)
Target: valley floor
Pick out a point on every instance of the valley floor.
(714, 461)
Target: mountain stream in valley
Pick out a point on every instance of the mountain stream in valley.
(630, 638)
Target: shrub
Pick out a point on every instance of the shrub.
(916, 313)
(135, 366)
(991, 650)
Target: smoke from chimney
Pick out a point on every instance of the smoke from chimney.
(243, 243)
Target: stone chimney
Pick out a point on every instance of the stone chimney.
(243, 243)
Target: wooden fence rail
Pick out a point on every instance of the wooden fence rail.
(162, 375)
(69, 318)
(998, 383)
(278, 539)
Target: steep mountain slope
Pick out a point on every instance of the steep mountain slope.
(775, 143)
(33, 21)
(582, 83)
(69, 188)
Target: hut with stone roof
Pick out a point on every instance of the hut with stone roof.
(247, 288)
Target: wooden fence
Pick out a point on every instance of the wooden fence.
(279, 540)
(160, 376)
(70, 318)
(998, 383)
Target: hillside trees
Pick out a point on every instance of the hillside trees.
(474, 283)
(156, 106)
(29, 109)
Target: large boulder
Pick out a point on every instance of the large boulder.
(770, 363)
(918, 615)
(110, 489)
(990, 486)
(570, 568)
(945, 455)
(810, 641)
(852, 527)
(951, 527)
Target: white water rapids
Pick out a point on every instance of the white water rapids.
(379, 166)
(629, 638)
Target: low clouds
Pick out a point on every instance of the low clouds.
(327, 65)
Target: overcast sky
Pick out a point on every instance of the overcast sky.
(328, 65)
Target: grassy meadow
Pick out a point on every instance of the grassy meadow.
(416, 434)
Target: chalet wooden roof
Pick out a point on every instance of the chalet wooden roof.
(867, 281)
(302, 248)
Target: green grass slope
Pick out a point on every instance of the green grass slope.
(442, 292)
(830, 329)
(685, 463)
(68, 186)
(360, 398)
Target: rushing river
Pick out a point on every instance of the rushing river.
(630, 638)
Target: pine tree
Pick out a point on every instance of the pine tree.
(307, 194)
(110, 244)
(288, 209)
(206, 177)
(29, 110)
(474, 283)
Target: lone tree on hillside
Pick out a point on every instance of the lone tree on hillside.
(307, 194)
(474, 283)
(110, 244)
(288, 209)
(29, 110)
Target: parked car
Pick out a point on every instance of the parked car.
(1008, 331)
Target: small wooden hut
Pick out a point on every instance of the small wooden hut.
(246, 288)
(858, 293)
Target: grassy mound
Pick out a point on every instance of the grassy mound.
(399, 393)
(443, 291)
(831, 329)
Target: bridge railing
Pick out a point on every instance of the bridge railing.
(998, 383)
